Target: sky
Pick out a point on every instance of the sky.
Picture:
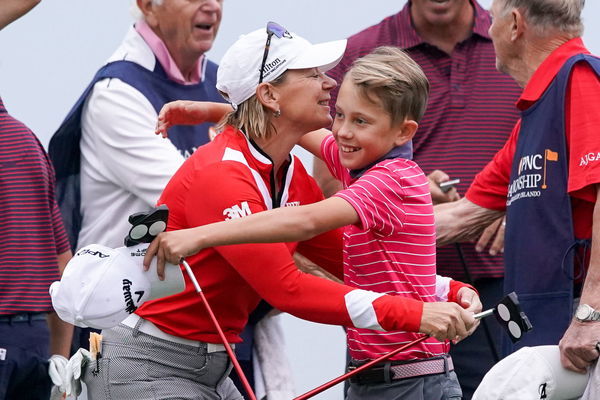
(49, 56)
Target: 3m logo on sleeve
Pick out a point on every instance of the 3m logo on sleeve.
(237, 211)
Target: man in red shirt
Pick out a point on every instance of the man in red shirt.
(546, 177)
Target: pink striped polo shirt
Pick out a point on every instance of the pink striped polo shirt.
(392, 249)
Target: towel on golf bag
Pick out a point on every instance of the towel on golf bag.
(273, 378)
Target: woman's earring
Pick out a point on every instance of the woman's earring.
(277, 113)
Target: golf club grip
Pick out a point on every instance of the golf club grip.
(368, 365)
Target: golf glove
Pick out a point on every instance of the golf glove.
(57, 369)
(73, 371)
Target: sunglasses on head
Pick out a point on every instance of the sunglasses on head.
(273, 28)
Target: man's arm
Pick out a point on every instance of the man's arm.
(61, 332)
(578, 345)
(15, 9)
(462, 220)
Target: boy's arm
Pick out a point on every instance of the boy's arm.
(312, 141)
(287, 224)
(186, 112)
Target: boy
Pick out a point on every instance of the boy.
(389, 239)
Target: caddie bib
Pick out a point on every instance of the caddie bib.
(539, 240)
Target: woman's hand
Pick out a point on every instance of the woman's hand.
(171, 247)
(446, 321)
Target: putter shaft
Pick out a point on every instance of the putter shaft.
(228, 348)
(484, 314)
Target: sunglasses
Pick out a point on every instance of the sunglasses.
(273, 28)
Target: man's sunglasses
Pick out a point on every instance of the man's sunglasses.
(273, 28)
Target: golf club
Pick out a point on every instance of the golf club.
(508, 312)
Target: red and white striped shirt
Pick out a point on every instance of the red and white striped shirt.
(392, 249)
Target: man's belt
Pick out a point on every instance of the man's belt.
(395, 370)
(24, 317)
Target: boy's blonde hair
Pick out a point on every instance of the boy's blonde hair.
(389, 76)
(251, 116)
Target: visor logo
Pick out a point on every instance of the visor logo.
(272, 66)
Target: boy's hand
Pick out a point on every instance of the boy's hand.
(468, 299)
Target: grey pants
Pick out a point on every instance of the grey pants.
(137, 366)
(443, 386)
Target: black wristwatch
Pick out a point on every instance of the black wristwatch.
(586, 313)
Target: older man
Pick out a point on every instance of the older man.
(106, 146)
(546, 178)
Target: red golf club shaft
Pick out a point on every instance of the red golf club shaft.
(368, 365)
(228, 348)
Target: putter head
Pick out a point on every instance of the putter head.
(147, 225)
(509, 314)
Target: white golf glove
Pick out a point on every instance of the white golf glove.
(57, 369)
(73, 371)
